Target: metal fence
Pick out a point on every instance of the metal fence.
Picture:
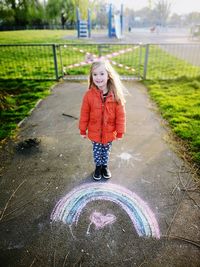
(29, 61)
(126, 58)
(170, 61)
(72, 61)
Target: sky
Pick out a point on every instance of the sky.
(177, 6)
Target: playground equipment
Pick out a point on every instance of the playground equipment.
(83, 27)
(115, 23)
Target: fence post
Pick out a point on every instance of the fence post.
(55, 61)
(146, 61)
(140, 61)
(99, 50)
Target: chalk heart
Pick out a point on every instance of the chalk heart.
(100, 220)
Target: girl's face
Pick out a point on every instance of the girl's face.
(100, 77)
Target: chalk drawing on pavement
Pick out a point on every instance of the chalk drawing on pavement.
(126, 158)
(69, 208)
(100, 220)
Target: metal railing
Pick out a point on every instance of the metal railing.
(76, 58)
(29, 61)
(72, 61)
(170, 61)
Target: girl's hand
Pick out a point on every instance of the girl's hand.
(84, 136)
(119, 136)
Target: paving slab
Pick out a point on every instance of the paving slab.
(54, 214)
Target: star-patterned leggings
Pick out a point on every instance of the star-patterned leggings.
(101, 153)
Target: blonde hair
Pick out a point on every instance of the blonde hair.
(114, 83)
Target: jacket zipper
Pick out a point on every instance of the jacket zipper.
(102, 120)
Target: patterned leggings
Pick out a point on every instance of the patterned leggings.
(101, 153)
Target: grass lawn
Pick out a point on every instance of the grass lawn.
(37, 36)
(179, 103)
(17, 98)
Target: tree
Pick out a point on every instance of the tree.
(7, 14)
(64, 11)
(146, 15)
(53, 10)
(130, 17)
(35, 13)
(100, 11)
(193, 18)
(175, 20)
(20, 12)
(162, 11)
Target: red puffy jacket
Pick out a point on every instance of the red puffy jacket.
(104, 121)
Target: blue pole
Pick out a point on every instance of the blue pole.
(110, 22)
(121, 19)
(78, 21)
(89, 23)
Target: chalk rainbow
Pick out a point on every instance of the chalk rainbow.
(69, 208)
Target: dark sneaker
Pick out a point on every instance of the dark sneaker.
(97, 173)
(105, 172)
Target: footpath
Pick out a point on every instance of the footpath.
(53, 214)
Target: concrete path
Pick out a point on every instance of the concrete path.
(54, 214)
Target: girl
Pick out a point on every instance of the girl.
(102, 116)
